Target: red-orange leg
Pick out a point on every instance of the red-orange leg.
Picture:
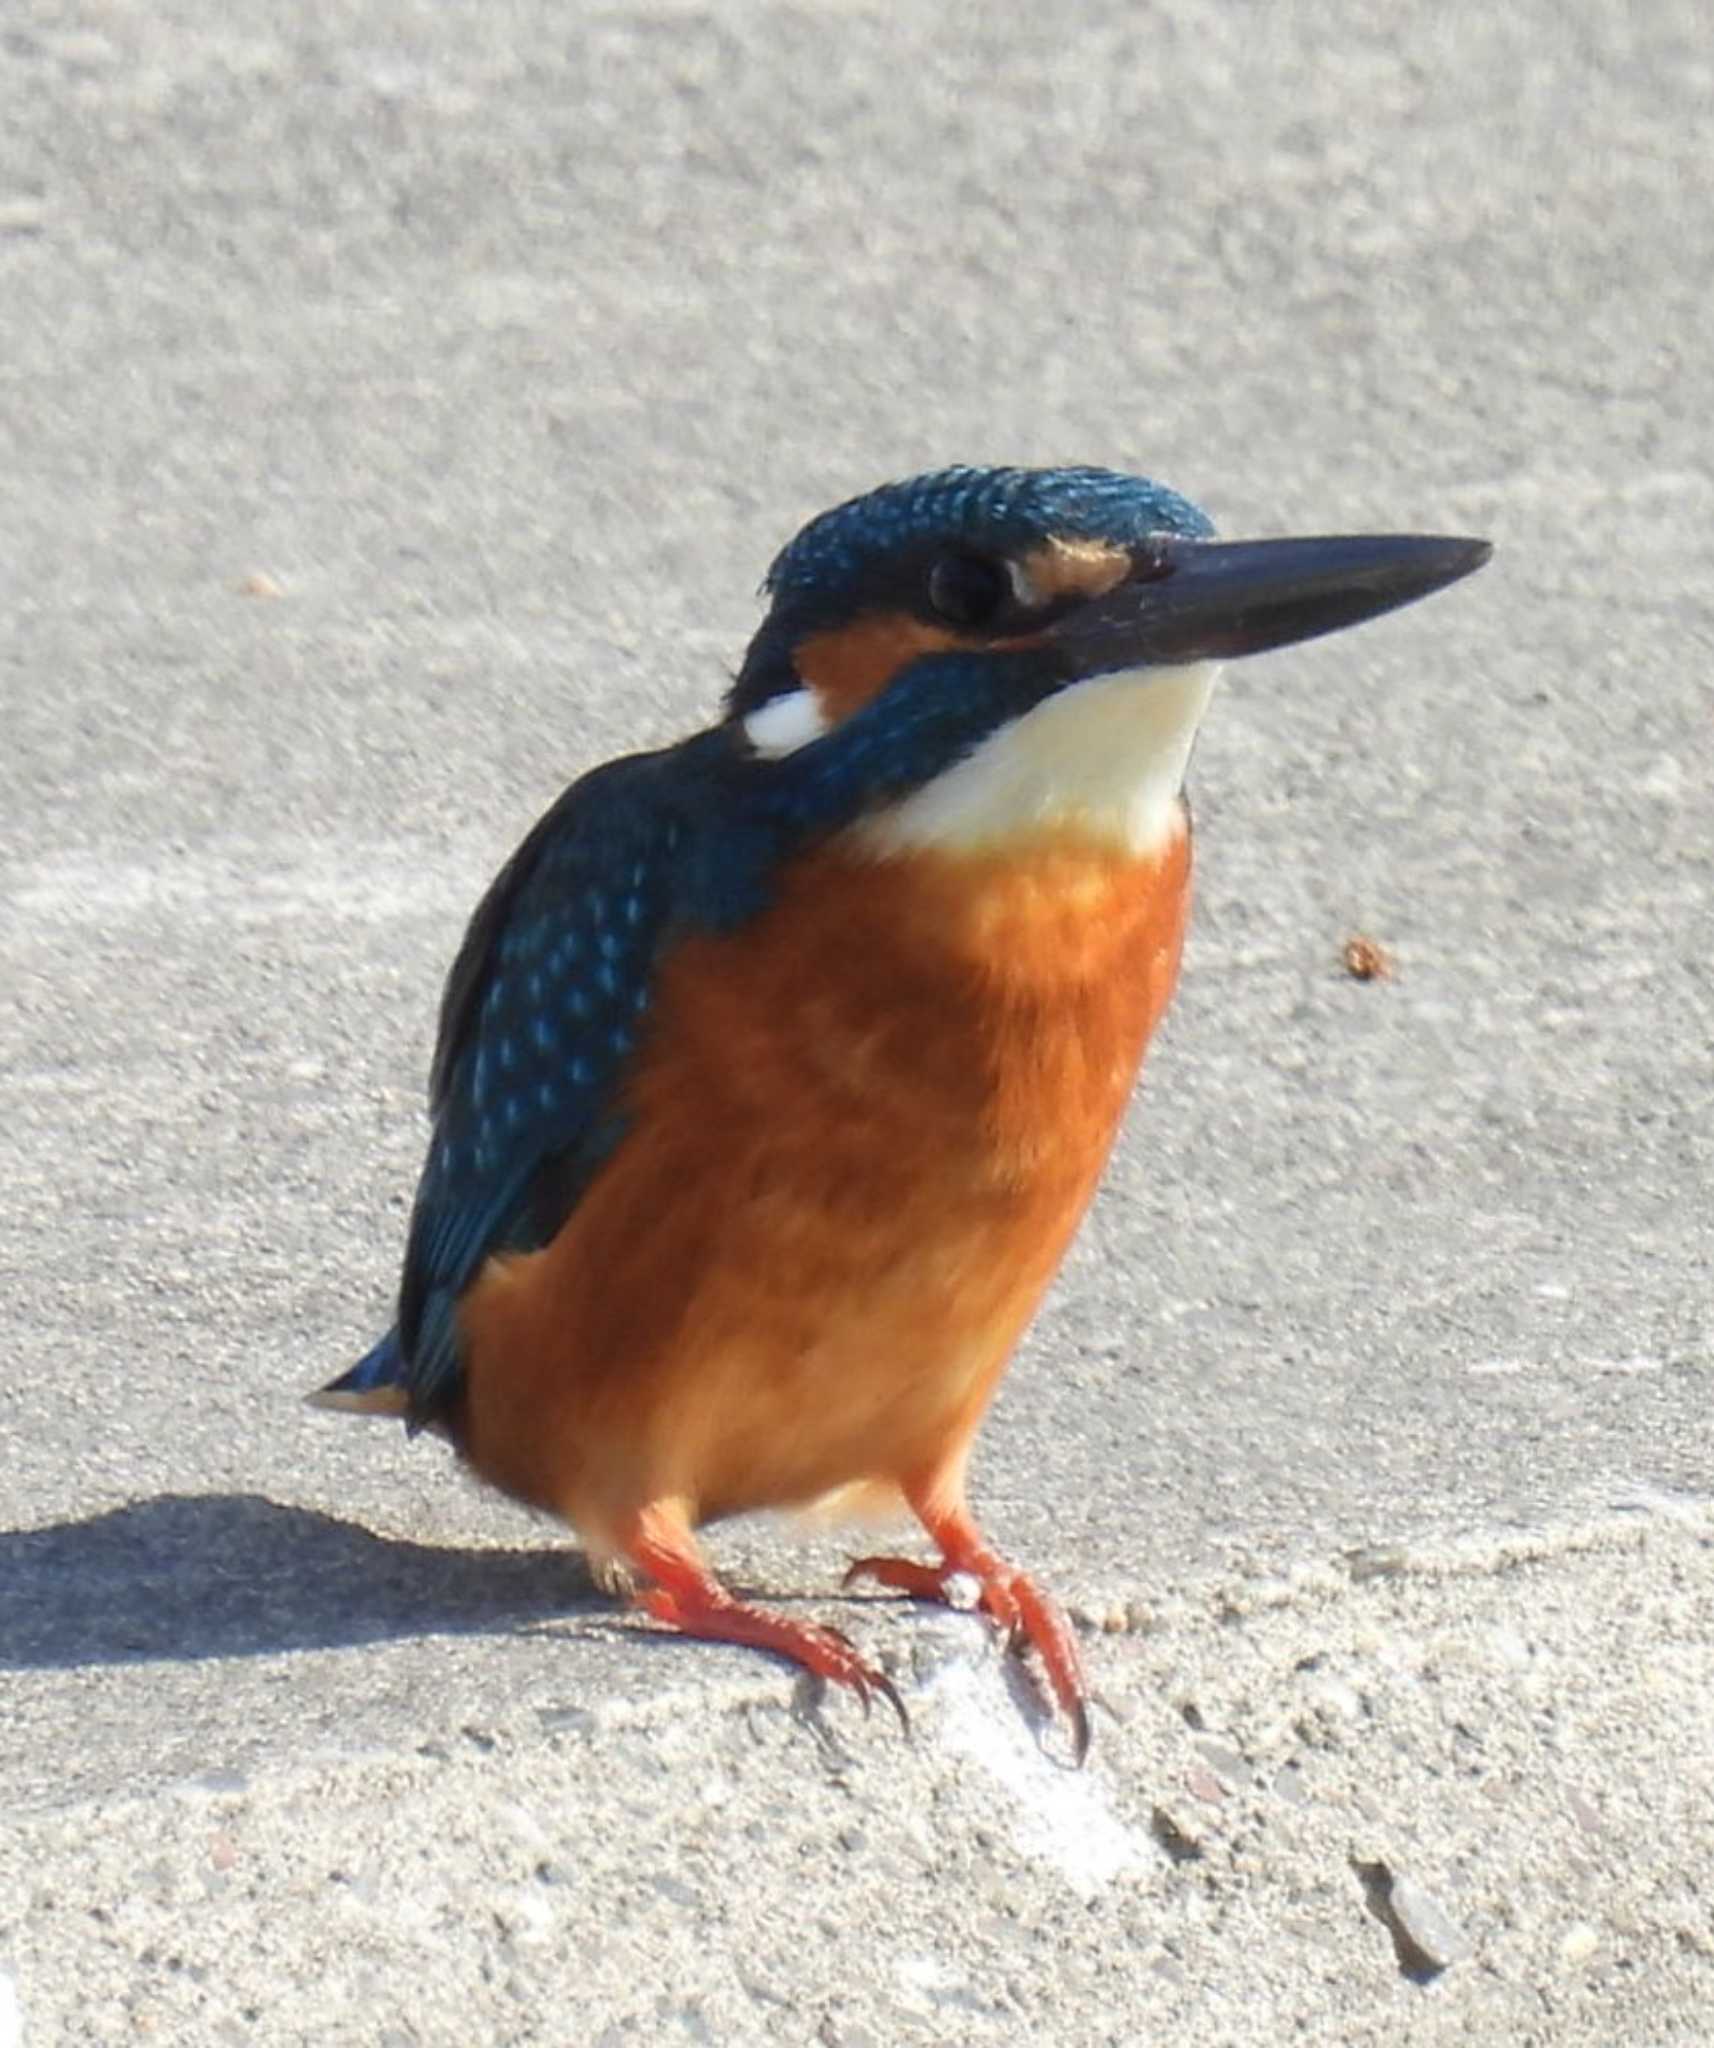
(686, 1596)
(1017, 1605)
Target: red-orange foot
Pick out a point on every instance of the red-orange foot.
(1017, 1606)
(656, 1541)
(717, 1617)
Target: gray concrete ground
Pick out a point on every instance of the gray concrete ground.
(397, 407)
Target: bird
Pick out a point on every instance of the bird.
(778, 1066)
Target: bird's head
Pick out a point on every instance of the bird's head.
(982, 653)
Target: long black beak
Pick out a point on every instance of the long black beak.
(1205, 600)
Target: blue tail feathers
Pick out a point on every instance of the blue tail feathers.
(375, 1385)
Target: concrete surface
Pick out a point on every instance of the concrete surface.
(397, 407)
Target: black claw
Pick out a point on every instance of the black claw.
(1080, 1732)
(886, 1686)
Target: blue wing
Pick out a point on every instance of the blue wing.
(541, 1013)
(543, 1010)
(550, 993)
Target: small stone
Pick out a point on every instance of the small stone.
(260, 584)
(525, 1917)
(1337, 1700)
(1366, 959)
(834, 2033)
(1288, 1784)
(1426, 1938)
(1578, 1944)
(1232, 1768)
(1180, 1845)
(1427, 1925)
(962, 1591)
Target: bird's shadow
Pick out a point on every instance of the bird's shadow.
(190, 1576)
(235, 1575)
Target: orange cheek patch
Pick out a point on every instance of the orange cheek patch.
(851, 665)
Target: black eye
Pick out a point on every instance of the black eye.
(968, 590)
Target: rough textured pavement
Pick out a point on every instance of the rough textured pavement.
(397, 407)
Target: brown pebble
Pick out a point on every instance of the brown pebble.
(260, 584)
(1366, 959)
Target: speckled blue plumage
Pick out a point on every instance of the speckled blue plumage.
(980, 508)
(542, 1011)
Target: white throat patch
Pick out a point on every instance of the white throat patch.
(1106, 758)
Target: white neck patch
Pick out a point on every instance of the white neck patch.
(1106, 758)
(785, 723)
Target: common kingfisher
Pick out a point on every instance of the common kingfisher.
(777, 1067)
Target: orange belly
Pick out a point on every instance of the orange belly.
(863, 1130)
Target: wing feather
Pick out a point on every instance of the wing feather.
(542, 1013)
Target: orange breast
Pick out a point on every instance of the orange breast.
(864, 1129)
